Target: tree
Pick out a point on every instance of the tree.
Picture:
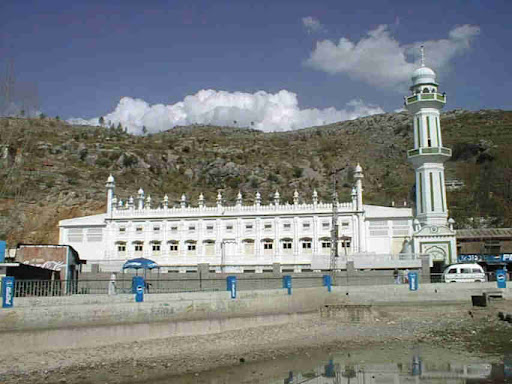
(144, 130)
(57, 117)
(101, 121)
(42, 116)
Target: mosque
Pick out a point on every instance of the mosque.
(296, 237)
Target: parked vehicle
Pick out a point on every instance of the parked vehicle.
(464, 273)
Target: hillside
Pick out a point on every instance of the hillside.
(51, 170)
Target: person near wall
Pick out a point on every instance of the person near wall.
(112, 284)
(396, 276)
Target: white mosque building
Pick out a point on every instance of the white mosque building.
(296, 237)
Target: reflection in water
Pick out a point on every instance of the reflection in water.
(418, 371)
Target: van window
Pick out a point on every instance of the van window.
(452, 270)
(465, 270)
(476, 270)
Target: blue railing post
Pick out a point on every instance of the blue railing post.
(7, 292)
(287, 283)
(327, 282)
(231, 285)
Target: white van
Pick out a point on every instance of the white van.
(464, 273)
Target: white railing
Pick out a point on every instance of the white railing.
(235, 210)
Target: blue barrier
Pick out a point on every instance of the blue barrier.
(138, 288)
(413, 281)
(7, 292)
(501, 278)
(327, 282)
(287, 283)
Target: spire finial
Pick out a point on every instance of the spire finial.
(422, 50)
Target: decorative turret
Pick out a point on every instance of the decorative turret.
(315, 197)
(276, 198)
(140, 199)
(148, 202)
(353, 194)
(219, 199)
(257, 200)
(183, 201)
(201, 200)
(111, 186)
(239, 199)
(131, 203)
(166, 202)
(296, 197)
(428, 154)
(358, 176)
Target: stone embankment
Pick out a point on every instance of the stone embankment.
(51, 339)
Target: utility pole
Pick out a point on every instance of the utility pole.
(334, 231)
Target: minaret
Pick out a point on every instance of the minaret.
(111, 186)
(433, 234)
(428, 154)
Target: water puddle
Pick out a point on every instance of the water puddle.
(373, 366)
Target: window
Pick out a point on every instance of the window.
(326, 244)
(249, 227)
(306, 226)
(138, 229)
(287, 245)
(174, 228)
(268, 227)
(138, 247)
(156, 247)
(345, 244)
(267, 245)
(156, 228)
(465, 270)
(191, 247)
(121, 247)
(287, 226)
(306, 245)
(325, 225)
(122, 230)
(209, 228)
(345, 224)
(191, 228)
(173, 247)
(229, 228)
(452, 270)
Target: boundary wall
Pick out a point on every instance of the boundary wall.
(46, 323)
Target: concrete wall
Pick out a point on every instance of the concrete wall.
(45, 323)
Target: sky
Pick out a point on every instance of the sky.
(271, 65)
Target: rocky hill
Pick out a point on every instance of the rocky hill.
(51, 170)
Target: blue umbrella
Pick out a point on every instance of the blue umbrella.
(140, 263)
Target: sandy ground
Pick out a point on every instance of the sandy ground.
(470, 331)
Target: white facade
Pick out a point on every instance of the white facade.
(434, 234)
(237, 237)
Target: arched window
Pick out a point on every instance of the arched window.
(287, 244)
(121, 247)
(173, 246)
(138, 247)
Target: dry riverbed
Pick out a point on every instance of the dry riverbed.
(462, 328)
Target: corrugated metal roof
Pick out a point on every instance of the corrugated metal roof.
(484, 233)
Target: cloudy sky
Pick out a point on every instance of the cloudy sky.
(272, 65)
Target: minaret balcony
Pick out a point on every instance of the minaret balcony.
(434, 98)
(429, 151)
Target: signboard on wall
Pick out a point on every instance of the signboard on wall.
(489, 259)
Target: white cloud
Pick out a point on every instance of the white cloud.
(312, 24)
(260, 110)
(380, 60)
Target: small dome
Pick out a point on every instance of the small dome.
(110, 179)
(423, 75)
(358, 168)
